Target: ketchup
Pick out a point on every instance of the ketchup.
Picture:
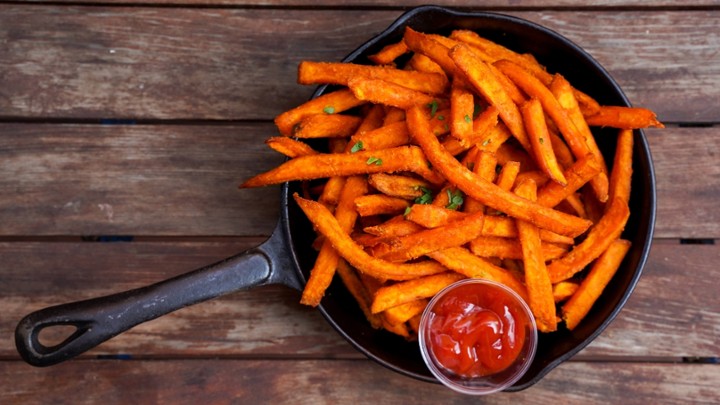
(476, 330)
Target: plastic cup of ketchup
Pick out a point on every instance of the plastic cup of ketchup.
(477, 336)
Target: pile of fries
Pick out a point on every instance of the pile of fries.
(469, 160)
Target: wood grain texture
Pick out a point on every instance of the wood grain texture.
(492, 4)
(174, 63)
(339, 382)
(670, 314)
(125, 179)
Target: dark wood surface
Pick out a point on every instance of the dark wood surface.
(139, 119)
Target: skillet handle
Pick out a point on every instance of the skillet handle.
(99, 319)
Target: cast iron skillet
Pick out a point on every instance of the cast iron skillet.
(286, 257)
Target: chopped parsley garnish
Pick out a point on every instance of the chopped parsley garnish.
(407, 211)
(541, 140)
(441, 117)
(329, 109)
(468, 119)
(372, 160)
(426, 197)
(433, 106)
(357, 147)
(455, 199)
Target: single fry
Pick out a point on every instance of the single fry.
(488, 246)
(427, 45)
(564, 290)
(404, 312)
(387, 93)
(337, 102)
(484, 81)
(484, 191)
(453, 234)
(432, 216)
(389, 53)
(621, 176)
(508, 174)
(484, 165)
(379, 204)
(394, 227)
(579, 304)
(385, 137)
(464, 262)
(328, 226)
(401, 159)
(542, 149)
(343, 73)
(601, 235)
(624, 118)
(290, 147)
(411, 290)
(326, 126)
(537, 280)
(462, 105)
(408, 188)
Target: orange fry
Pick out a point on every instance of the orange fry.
(508, 174)
(357, 289)
(403, 312)
(462, 105)
(564, 290)
(405, 187)
(601, 235)
(537, 280)
(621, 175)
(575, 309)
(326, 126)
(389, 53)
(337, 102)
(563, 92)
(289, 147)
(484, 191)
(411, 290)
(484, 81)
(378, 204)
(509, 248)
(453, 234)
(404, 158)
(328, 226)
(432, 216)
(462, 261)
(386, 137)
(427, 45)
(387, 93)
(577, 175)
(343, 73)
(542, 149)
(624, 118)
(394, 227)
(324, 269)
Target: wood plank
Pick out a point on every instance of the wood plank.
(121, 180)
(138, 180)
(339, 381)
(230, 64)
(672, 313)
(494, 4)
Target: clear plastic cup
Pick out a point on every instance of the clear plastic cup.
(507, 306)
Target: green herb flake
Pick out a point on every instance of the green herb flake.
(486, 142)
(426, 197)
(541, 140)
(329, 109)
(455, 199)
(433, 106)
(357, 147)
(468, 119)
(372, 160)
(407, 211)
(441, 117)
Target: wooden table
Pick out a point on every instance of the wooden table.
(125, 128)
